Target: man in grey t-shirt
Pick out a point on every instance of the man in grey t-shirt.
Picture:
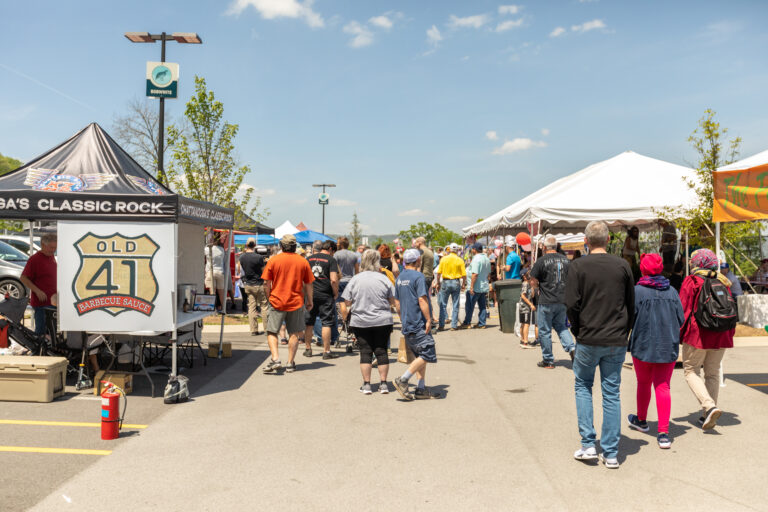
(347, 261)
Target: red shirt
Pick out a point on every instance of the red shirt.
(288, 272)
(690, 332)
(41, 270)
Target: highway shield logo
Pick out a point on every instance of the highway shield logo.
(115, 274)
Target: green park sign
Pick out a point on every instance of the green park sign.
(162, 79)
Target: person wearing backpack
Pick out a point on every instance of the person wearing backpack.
(710, 322)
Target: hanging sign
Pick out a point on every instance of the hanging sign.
(741, 194)
(115, 277)
(323, 198)
(162, 79)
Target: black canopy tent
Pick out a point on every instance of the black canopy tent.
(90, 177)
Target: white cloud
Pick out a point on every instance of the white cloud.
(509, 9)
(519, 144)
(509, 24)
(433, 36)
(456, 218)
(343, 202)
(263, 192)
(362, 34)
(475, 21)
(557, 32)
(273, 9)
(381, 22)
(301, 200)
(465, 58)
(545, 131)
(589, 25)
(412, 213)
(491, 135)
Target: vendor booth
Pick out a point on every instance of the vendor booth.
(130, 251)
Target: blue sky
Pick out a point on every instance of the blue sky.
(431, 111)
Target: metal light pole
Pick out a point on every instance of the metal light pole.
(146, 37)
(324, 203)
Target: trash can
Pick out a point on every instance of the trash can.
(507, 295)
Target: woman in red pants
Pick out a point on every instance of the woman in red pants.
(654, 344)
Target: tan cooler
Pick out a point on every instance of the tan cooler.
(32, 378)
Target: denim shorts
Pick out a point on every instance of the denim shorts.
(422, 345)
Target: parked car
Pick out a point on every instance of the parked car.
(21, 243)
(12, 262)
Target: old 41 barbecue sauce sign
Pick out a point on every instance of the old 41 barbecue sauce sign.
(116, 277)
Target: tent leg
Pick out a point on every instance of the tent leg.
(687, 254)
(224, 306)
(717, 243)
(31, 239)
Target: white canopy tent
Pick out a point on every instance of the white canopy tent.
(286, 228)
(628, 189)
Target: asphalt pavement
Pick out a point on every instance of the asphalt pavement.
(502, 438)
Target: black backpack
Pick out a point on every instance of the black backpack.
(715, 308)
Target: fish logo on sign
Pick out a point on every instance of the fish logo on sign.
(115, 274)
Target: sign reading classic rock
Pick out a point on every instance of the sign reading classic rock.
(116, 277)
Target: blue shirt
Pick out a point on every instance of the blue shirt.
(513, 260)
(481, 266)
(410, 285)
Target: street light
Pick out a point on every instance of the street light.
(324, 202)
(146, 37)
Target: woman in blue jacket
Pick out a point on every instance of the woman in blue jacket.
(654, 344)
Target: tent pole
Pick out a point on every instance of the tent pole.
(31, 239)
(717, 243)
(224, 306)
(687, 261)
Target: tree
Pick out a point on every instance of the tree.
(433, 234)
(203, 165)
(357, 233)
(7, 164)
(714, 151)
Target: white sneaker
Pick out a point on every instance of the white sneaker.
(610, 463)
(384, 388)
(585, 453)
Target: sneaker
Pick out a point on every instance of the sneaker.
(254, 334)
(478, 326)
(283, 341)
(585, 454)
(572, 353)
(546, 364)
(610, 462)
(402, 387)
(290, 367)
(454, 328)
(664, 441)
(464, 326)
(330, 355)
(366, 389)
(636, 424)
(535, 343)
(711, 418)
(425, 394)
(273, 366)
(700, 421)
(384, 388)
(318, 342)
(308, 352)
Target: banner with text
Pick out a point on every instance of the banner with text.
(741, 195)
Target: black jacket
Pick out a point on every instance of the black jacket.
(600, 299)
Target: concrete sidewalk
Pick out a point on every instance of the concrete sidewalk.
(502, 439)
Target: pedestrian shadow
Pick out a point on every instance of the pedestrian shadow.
(627, 447)
(314, 365)
(442, 389)
(455, 358)
(727, 419)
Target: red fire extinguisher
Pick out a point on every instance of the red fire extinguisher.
(110, 411)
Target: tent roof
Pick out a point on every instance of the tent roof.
(286, 228)
(747, 163)
(301, 226)
(308, 236)
(90, 177)
(613, 191)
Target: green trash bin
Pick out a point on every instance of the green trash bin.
(507, 296)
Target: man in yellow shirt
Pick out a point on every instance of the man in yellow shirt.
(451, 281)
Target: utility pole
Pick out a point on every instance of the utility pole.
(323, 199)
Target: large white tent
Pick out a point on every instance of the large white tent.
(286, 228)
(628, 189)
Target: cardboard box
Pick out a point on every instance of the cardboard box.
(32, 378)
(226, 351)
(121, 380)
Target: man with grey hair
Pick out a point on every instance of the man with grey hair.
(550, 271)
(600, 301)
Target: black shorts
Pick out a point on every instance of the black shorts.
(528, 318)
(323, 307)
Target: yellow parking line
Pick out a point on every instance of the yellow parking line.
(65, 451)
(62, 423)
(756, 385)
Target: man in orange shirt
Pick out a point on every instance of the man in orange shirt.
(288, 284)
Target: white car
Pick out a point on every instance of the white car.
(21, 243)
(12, 262)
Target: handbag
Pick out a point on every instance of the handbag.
(404, 352)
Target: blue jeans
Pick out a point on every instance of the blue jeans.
(40, 326)
(549, 316)
(610, 360)
(469, 308)
(452, 289)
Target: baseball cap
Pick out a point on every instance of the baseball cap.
(288, 239)
(251, 242)
(477, 246)
(411, 255)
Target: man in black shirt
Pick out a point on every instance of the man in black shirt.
(252, 265)
(550, 271)
(325, 290)
(600, 297)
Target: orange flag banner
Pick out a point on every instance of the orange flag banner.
(741, 194)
